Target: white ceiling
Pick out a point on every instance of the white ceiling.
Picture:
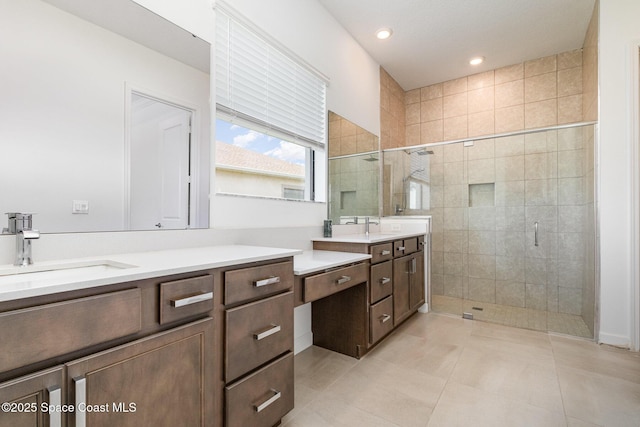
(433, 40)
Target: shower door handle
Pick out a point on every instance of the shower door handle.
(535, 238)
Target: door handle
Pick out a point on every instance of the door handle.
(266, 282)
(55, 400)
(342, 280)
(535, 236)
(273, 329)
(266, 403)
(81, 399)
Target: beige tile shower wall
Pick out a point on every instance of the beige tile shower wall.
(590, 69)
(534, 94)
(346, 138)
(392, 112)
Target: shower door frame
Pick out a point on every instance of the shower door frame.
(596, 190)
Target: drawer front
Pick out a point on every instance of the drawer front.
(248, 284)
(405, 247)
(182, 299)
(322, 285)
(381, 252)
(76, 324)
(256, 333)
(263, 398)
(381, 318)
(381, 281)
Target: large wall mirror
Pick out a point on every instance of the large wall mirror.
(105, 117)
(354, 171)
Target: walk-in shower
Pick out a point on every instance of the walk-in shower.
(513, 221)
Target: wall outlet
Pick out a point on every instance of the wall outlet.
(80, 207)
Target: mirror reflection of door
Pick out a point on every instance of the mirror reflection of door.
(159, 158)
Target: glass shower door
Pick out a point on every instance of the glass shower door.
(513, 227)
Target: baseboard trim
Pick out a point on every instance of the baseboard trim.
(614, 340)
(302, 342)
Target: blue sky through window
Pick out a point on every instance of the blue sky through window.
(256, 141)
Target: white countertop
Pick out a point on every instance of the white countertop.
(371, 238)
(313, 261)
(143, 265)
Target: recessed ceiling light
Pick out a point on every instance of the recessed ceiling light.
(477, 60)
(384, 33)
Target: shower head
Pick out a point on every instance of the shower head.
(421, 151)
(371, 158)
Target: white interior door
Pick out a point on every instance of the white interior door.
(159, 175)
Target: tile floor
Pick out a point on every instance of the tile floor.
(440, 370)
(519, 317)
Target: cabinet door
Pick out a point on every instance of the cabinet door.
(401, 279)
(27, 401)
(408, 285)
(416, 287)
(162, 380)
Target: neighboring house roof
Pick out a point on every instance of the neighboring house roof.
(240, 158)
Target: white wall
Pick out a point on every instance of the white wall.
(619, 31)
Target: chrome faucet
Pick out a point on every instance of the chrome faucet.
(367, 222)
(20, 224)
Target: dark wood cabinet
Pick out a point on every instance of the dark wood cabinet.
(159, 381)
(152, 352)
(408, 290)
(258, 344)
(28, 400)
(262, 398)
(396, 289)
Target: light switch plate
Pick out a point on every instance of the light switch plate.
(80, 207)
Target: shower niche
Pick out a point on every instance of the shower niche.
(513, 221)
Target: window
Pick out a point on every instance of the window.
(271, 114)
(252, 163)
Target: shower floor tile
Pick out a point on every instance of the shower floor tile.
(519, 317)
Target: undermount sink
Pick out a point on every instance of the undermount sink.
(63, 270)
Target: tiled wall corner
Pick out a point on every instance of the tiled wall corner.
(393, 113)
(590, 69)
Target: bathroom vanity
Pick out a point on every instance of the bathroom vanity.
(197, 337)
(351, 316)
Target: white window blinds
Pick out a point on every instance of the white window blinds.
(257, 83)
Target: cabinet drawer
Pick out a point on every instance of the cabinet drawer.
(38, 333)
(405, 247)
(381, 252)
(256, 333)
(262, 398)
(322, 285)
(381, 281)
(181, 299)
(248, 284)
(381, 318)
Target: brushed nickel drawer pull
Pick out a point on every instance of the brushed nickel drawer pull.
(81, 398)
(55, 400)
(181, 302)
(272, 330)
(385, 252)
(401, 248)
(268, 402)
(384, 318)
(343, 280)
(264, 282)
(385, 280)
